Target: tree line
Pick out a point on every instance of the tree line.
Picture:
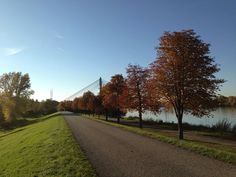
(15, 92)
(181, 78)
(229, 101)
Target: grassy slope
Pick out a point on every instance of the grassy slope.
(46, 148)
(217, 151)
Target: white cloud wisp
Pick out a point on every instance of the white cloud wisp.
(11, 51)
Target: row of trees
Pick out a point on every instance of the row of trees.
(35, 108)
(227, 101)
(15, 92)
(182, 78)
(118, 96)
(87, 104)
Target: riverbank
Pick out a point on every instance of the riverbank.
(215, 149)
(222, 130)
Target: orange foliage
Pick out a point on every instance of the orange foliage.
(183, 75)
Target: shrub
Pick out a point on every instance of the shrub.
(132, 117)
(150, 121)
(160, 122)
(234, 129)
(222, 126)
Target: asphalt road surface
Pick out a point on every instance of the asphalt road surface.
(114, 152)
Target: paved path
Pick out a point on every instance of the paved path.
(118, 153)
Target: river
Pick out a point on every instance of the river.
(219, 114)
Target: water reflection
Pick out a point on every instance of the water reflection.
(219, 114)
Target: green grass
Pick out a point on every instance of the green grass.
(44, 148)
(217, 151)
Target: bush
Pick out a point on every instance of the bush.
(234, 129)
(150, 121)
(222, 126)
(132, 118)
(160, 122)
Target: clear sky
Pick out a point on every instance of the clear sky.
(65, 45)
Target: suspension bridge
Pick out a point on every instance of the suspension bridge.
(94, 87)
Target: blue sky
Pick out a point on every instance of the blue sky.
(66, 44)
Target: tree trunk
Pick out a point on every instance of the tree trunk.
(106, 116)
(140, 119)
(180, 127)
(140, 107)
(118, 115)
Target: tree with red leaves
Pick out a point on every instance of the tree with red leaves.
(183, 76)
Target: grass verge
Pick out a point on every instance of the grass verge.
(211, 150)
(45, 148)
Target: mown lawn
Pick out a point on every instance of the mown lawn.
(45, 148)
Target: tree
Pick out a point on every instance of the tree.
(106, 98)
(183, 75)
(112, 95)
(91, 106)
(231, 101)
(65, 105)
(48, 106)
(136, 90)
(32, 108)
(8, 108)
(74, 105)
(1, 114)
(99, 109)
(87, 100)
(14, 89)
(14, 84)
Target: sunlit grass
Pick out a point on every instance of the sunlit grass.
(45, 148)
(217, 151)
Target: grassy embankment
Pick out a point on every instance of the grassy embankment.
(213, 150)
(45, 148)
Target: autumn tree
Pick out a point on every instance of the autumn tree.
(136, 90)
(106, 98)
(224, 101)
(93, 103)
(184, 75)
(112, 95)
(14, 89)
(231, 101)
(65, 105)
(98, 107)
(87, 101)
(81, 105)
(74, 105)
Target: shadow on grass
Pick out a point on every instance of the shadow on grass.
(225, 135)
(19, 130)
(160, 125)
(6, 126)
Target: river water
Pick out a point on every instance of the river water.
(218, 115)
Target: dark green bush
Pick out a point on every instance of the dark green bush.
(222, 126)
(234, 129)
